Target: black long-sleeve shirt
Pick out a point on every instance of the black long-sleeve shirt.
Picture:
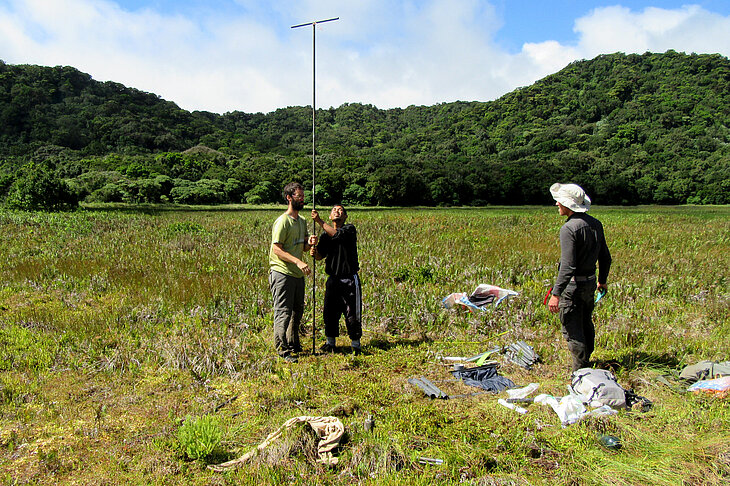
(340, 251)
(582, 244)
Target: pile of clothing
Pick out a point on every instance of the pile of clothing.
(482, 297)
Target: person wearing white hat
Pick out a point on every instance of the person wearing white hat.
(582, 245)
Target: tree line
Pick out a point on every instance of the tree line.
(631, 129)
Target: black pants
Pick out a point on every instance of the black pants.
(576, 315)
(342, 297)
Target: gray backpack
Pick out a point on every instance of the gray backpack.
(598, 387)
(705, 370)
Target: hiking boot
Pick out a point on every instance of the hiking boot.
(290, 359)
(327, 348)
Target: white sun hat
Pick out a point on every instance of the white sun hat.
(572, 196)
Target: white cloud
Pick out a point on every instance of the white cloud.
(385, 52)
(617, 29)
(547, 56)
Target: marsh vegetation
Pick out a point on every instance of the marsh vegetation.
(120, 326)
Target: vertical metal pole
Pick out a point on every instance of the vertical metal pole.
(314, 157)
(314, 114)
(314, 190)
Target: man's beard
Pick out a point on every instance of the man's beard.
(297, 205)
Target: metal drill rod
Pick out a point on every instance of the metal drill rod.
(314, 156)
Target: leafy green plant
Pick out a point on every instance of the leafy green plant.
(21, 347)
(416, 274)
(190, 227)
(199, 436)
(38, 187)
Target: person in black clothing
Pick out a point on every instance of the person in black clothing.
(582, 245)
(338, 246)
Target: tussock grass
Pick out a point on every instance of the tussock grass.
(116, 325)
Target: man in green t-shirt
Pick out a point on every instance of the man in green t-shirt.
(289, 239)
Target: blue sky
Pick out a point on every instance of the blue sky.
(535, 21)
(227, 55)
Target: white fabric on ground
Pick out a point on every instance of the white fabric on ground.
(329, 430)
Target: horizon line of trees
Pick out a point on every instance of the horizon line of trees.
(636, 129)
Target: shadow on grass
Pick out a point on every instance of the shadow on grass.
(380, 344)
(631, 360)
(219, 456)
(384, 344)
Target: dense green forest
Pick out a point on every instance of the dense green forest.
(631, 129)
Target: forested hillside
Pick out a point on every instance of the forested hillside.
(632, 129)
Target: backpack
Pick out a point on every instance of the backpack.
(705, 370)
(598, 387)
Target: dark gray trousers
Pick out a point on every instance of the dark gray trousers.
(576, 315)
(288, 294)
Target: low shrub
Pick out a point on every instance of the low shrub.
(199, 436)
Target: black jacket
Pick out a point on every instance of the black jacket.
(340, 252)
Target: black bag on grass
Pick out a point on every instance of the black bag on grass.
(484, 377)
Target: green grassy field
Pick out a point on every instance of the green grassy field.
(117, 326)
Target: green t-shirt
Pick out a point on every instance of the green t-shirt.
(292, 234)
